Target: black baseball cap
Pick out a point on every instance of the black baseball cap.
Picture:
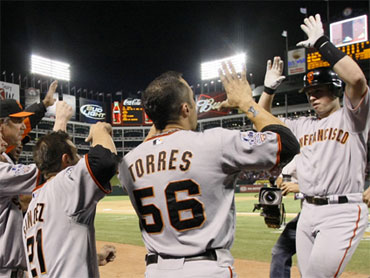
(12, 108)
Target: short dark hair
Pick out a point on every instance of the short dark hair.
(163, 97)
(48, 152)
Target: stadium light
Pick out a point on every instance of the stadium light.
(52, 68)
(209, 70)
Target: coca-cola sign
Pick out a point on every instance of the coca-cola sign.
(208, 104)
(132, 101)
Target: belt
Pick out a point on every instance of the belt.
(319, 201)
(209, 255)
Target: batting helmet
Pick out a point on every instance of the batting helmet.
(323, 76)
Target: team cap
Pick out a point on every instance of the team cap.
(12, 108)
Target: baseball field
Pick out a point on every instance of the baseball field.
(116, 223)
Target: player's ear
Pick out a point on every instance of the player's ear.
(66, 161)
(185, 110)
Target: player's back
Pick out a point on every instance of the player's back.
(59, 243)
(182, 186)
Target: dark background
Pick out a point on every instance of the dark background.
(122, 46)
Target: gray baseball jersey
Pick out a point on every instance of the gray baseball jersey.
(58, 228)
(332, 164)
(181, 185)
(333, 150)
(15, 180)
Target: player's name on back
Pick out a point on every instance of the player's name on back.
(161, 161)
(33, 216)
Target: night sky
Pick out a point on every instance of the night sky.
(114, 46)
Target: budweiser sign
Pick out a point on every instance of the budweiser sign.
(208, 104)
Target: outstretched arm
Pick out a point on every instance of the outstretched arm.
(343, 65)
(239, 94)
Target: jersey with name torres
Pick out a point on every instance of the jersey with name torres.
(58, 228)
(14, 180)
(181, 185)
(333, 150)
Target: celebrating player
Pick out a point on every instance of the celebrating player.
(58, 228)
(15, 180)
(331, 167)
(181, 182)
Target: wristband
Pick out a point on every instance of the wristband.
(269, 90)
(328, 51)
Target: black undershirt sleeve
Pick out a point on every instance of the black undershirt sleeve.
(103, 164)
(289, 144)
(39, 110)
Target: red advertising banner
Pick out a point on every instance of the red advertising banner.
(208, 103)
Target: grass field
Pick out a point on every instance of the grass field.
(253, 240)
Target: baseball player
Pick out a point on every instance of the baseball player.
(37, 113)
(15, 180)
(331, 167)
(181, 182)
(58, 228)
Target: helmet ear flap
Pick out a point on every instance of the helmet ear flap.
(337, 91)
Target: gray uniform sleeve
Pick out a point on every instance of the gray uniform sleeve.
(77, 190)
(18, 179)
(249, 150)
(358, 117)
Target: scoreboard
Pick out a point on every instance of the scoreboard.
(357, 51)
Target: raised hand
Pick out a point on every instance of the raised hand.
(49, 99)
(97, 129)
(237, 88)
(274, 73)
(63, 114)
(313, 28)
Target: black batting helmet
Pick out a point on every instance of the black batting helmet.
(322, 76)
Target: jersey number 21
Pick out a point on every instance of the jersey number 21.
(40, 253)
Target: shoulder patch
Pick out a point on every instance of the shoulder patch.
(253, 138)
(20, 169)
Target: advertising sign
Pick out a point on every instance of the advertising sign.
(91, 111)
(296, 61)
(31, 95)
(208, 103)
(70, 100)
(349, 31)
(129, 112)
(9, 90)
(132, 112)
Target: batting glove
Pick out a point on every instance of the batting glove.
(274, 75)
(313, 28)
